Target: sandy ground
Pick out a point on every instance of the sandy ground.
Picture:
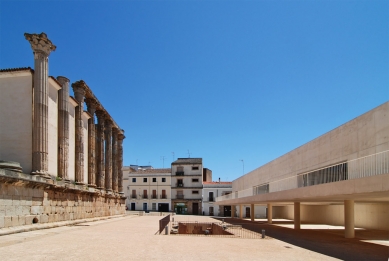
(135, 238)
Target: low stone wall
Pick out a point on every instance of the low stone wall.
(26, 199)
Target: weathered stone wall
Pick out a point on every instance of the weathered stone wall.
(24, 202)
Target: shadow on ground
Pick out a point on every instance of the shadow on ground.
(327, 242)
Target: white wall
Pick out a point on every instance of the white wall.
(16, 118)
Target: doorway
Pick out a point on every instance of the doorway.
(132, 206)
(247, 212)
(227, 211)
(195, 208)
(144, 206)
(163, 207)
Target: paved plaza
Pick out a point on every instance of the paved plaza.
(135, 238)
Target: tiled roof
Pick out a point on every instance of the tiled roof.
(16, 69)
(148, 171)
(188, 161)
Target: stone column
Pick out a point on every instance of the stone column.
(121, 137)
(91, 104)
(297, 221)
(349, 231)
(100, 159)
(269, 213)
(115, 159)
(108, 155)
(42, 47)
(232, 211)
(79, 89)
(63, 129)
(252, 212)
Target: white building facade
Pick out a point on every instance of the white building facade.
(212, 190)
(147, 189)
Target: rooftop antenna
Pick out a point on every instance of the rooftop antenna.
(173, 155)
(163, 161)
(189, 154)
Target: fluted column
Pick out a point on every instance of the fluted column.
(121, 137)
(63, 129)
(42, 47)
(115, 159)
(108, 155)
(91, 104)
(100, 159)
(79, 89)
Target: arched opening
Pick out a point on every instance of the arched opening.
(35, 220)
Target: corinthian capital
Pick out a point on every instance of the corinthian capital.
(79, 89)
(91, 104)
(40, 43)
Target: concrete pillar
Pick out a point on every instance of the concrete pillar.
(63, 129)
(42, 47)
(269, 213)
(349, 219)
(232, 211)
(297, 220)
(108, 155)
(115, 159)
(79, 89)
(91, 105)
(100, 159)
(252, 212)
(240, 211)
(121, 137)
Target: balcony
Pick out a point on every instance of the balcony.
(180, 185)
(154, 197)
(179, 173)
(163, 197)
(211, 199)
(179, 196)
(133, 196)
(145, 197)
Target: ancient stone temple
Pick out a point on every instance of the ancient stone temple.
(57, 162)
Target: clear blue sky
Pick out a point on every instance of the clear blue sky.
(226, 80)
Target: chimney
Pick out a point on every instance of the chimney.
(219, 180)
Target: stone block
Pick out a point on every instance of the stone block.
(2, 211)
(15, 221)
(27, 201)
(16, 200)
(44, 218)
(7, 221)
(47, 210)
(46, 202)
(6, 200)
(9, 210)
(36, 201)
(36, 210)
(29, 218)
(22, 220)
(26, 210)
(18, 210)
(1, 221)
(51, 218)
(37, 193)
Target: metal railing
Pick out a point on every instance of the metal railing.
(179, 184)
(371, 165)
(145, 196)
(179, 173)
(179, 196)
(162, 196)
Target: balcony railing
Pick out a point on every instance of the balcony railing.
(163, 196)
(211, 199)
(179, 173)
(133, 196)
(154, 197)
(372, 165)
(179, 196)
(179, 184)
(145, 196)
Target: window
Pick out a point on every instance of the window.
(163, 179)
(154, 196)
(133, 194)
(195, 192)
(195, 168)
(133, 179)
(154, 179)
(163, 194)
(145, 193)
(154, 206)
(195, 180)
(144, 179)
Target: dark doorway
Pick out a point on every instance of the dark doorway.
(132, 206)
(195, 207)
(163, 207)
(247, 212)
(227, 211)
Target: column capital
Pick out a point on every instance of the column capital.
(121, 136)
(79, 89)
(40, 43)
(91, 104)
(100, 115)
(62, 80)
(108, 123)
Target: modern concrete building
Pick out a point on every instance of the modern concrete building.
(56, 162)
(339, 178)
(147, 189)
(187, 174)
